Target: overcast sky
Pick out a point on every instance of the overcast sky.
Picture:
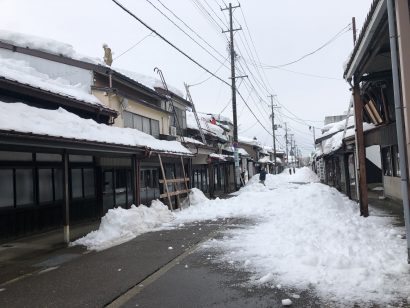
(281, 31)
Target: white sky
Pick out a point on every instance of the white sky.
(282, 31)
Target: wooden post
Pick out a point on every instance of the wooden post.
(185, 180)
(165, 183)
(66, 210)
(361, 151)
(135, 180)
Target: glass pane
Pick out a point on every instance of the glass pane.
(128, 119)
(58, 184)
(108, 193)
(48, 157)
(120, 188)
(155, 128)
(45, 185)
(24, 186)
(6, 188)
(137, 122)
(76, 183)
(80, 158)
(130, 196)
(146, 126)
(89, 187)
(14, 156)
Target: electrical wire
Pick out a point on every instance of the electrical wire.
(168, 42)
(133, 46)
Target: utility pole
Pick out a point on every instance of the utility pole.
(291, 146)
(273, 129)
(233, 86)
(354, 30)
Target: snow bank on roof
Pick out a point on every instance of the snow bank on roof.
(249, 141)
(148, 81)
(192, 141)
(22, 72)
(120, 225)
(217, 117)
(335, 142)
(207, 127)
(221, 156)
(44, 44)
(337, 126)
(265, 160)
(243, 152)
(61, 123)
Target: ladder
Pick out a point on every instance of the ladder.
(161, 75)
(196, 115)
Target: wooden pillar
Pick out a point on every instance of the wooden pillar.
(66, 207)
(361, 151)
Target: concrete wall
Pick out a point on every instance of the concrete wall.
(112, 101)
(392, 187)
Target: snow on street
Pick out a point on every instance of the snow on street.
(305, 235)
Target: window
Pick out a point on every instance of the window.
(179, 120)
(45, 185)
(82, 183)
(24, 187)
(6, 188)
(396, 160)
(15, 156)
(146, 125)
(387, 162)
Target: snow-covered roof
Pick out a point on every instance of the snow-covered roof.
(22, 118)
(45, 44)
(265, 160)
(337, 126)
(220, 156)
(21, 71)
(335, 142)
(148, 81)
(192, 141)
(207, 127)
(249, 141)
(243, 152)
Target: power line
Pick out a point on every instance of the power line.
(133, 46)
(195, 41)
(190, 28)
(336, 36)
(168, 42)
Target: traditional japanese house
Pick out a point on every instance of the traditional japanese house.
(66, 166)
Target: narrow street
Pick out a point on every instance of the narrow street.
(237, 252)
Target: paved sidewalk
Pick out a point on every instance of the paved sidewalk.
(73, 277)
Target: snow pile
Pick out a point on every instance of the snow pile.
(44, 44)
(250, 141)
(22, 72)
(197, 197)
(192, 141)
(61, 123)
(121, 225)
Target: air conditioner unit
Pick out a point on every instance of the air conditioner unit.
(173, 130)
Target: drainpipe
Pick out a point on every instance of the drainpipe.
(399, 120)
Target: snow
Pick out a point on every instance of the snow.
(335, 142)
(22, 72)
(249, 141)
(121, 225)
(148, 81)
(220, 156)
(337, 126)
(243, 152)
(44, 44)
(207, 127)
(192, 141)
(302, 236)
(286, 302)
(61, 123)
(265, 160)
